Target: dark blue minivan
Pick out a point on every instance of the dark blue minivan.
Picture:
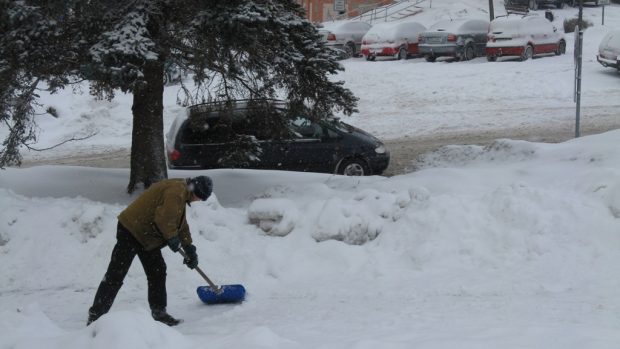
(198, 141)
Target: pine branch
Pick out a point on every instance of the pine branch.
(73, 139)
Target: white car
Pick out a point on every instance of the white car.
(609, 50)
(398, 40)
(523, 36)
(346, 36)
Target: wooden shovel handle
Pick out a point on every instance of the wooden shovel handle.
(204, 276)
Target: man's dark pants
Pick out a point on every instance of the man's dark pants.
(123, 254)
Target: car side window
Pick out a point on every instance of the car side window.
(305, 128)
(204, 133)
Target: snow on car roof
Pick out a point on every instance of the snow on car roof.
(344, 25)
(512, 20)
(389, 30)
(460, 25)
(611, 40)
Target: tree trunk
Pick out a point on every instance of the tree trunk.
(148, 160)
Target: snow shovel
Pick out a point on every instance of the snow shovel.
(214, 294)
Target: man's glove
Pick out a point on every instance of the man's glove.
(191, 259)
(174, 243)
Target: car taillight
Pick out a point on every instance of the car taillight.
(331, 37)
(174, 155)
(451, 37)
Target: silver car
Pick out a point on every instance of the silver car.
(345, 36)
(463, 39)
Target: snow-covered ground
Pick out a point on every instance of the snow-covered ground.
(515, 245)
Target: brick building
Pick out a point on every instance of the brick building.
(326, 10)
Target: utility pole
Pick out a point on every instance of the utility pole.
(491, 12)
(578, 62)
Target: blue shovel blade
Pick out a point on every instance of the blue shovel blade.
(226, 294)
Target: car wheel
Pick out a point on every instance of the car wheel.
(402, 53)
(430, 58)
(528, 53)
(469, 53)
(349, 48)
(561, 48)
(491, 58)
(353, 167)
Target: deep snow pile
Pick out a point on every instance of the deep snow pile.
(507, 239)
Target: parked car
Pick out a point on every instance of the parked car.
(463, 39)
(398, 40)
(206, 135)
(575, 3)
(523, 36)
(345, 36)
(535, 4)
(609, 50)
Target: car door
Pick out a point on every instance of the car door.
(313, 148)
(544, 36)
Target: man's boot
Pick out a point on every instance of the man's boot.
(162, 316)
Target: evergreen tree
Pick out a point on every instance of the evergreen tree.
(233, 49)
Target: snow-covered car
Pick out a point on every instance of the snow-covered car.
(461, 38)
(575, 3)
(345, 36)
(609, 50)
(392, 39)
(523, 36)
(535, 4)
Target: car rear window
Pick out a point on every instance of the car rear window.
(461, 26)
(382, 31)
(446, 26)
(506, 26)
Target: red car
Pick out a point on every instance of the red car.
(398, 40)
(523, 36)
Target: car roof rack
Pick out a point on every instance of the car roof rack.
(208, 107)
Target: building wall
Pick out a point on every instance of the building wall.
(323, 10)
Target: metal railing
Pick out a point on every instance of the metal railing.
(377, 12)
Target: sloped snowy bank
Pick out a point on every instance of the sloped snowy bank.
(520, 232)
